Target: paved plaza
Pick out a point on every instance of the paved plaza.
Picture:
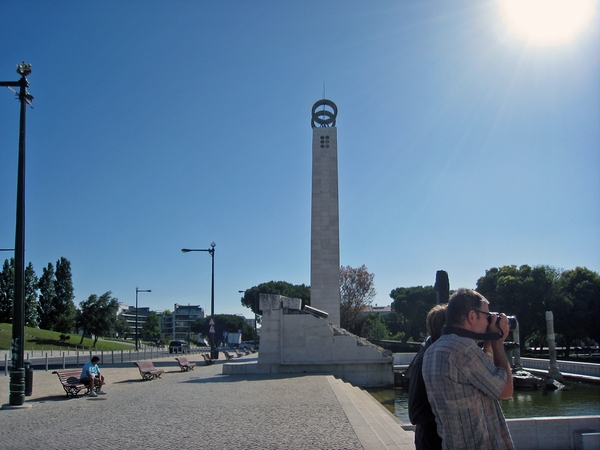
(200, 409)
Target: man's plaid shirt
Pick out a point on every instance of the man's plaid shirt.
(463, 387)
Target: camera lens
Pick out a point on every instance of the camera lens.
(512, 323)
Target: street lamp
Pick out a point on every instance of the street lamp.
(17, 371)
(136, 313)
(214, 354)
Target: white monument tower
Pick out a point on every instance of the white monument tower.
(325, 228)
(294, 339)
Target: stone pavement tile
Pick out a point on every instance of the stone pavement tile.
(184, 410)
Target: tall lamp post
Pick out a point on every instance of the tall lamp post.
(214, 354)
(136, 313)
(17, 371)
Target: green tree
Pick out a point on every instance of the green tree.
(31, 297)
(63, 301)
(98, 315)
(122, 327)
(151, 328)
(7, 290)
(412, 305)
(46, 313)
(356, 291)
(251, 296)
(394, 325)
(374, 327)
(223, 322)
(524, 292)
(577, 306)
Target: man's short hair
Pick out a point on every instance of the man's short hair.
(436, 319)
(95, 359)
(461, 302)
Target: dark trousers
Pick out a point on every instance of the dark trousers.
(426, 437)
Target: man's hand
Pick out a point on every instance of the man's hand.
(503, 327)
(500, 359)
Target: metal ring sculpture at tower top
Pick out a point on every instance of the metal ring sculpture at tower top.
(324, 117)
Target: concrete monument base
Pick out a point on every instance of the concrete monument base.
(293, 341)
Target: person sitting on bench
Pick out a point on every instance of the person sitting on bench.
(90, 375)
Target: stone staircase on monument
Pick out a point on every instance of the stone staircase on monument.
(374, 425)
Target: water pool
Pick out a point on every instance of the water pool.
(576, 399)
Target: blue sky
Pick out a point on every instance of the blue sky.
(162, 125)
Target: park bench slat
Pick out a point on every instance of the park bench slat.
(148, 371)
(184, 364)
(207, 359)
(69, 378)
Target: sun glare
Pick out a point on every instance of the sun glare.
(547, 22)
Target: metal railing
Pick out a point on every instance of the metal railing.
(53, 358)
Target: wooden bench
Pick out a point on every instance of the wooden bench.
(207, 359)
(238, 353)
(228, 355)
(184, 364)
(148, 371)
(69, 378)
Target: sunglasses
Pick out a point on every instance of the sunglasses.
(489, 315)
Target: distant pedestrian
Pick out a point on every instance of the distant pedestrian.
(90, 375)
(419, 409)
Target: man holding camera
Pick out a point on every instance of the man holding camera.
(463, 384)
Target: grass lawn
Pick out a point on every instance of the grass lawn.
(43, 339)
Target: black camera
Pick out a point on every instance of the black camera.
(512, 320)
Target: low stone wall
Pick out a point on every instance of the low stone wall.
(403, 359)
(555, 433)
(579, 368)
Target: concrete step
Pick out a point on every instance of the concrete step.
(389, 431)
(375, 426)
